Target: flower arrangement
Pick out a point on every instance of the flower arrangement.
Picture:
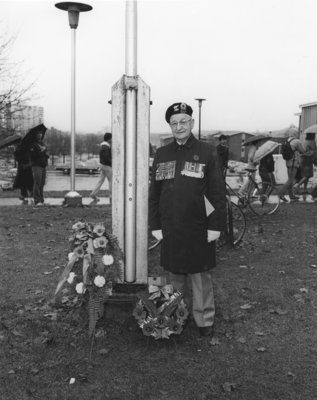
(161, 312)
(94, 264)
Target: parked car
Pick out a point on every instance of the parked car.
(81, 167)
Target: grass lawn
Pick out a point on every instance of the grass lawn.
(265, 342)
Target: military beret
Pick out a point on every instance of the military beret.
(178, 108)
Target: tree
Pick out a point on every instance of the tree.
(14, 89)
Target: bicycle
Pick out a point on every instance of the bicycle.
(260, 196)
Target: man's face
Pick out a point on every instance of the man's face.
(181, 126)
(223, 141)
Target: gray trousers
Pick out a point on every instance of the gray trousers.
(39, 177)
(202, 295)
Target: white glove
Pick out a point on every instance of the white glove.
(212, 235)
(158, 234)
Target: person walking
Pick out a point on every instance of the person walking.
(252, 145)
(223, 153)
(187, 211)
(34, 144)
(306, 166)
(105, 160)
(292, 165)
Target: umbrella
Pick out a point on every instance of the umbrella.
(9, 140)
(254, 139)
(311, 129)
(30, 137)
(265, 149)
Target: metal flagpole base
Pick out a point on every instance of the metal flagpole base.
(72, 199)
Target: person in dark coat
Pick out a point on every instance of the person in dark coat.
(39, 155)
(24, 176)
(223, 153)
(187, 210)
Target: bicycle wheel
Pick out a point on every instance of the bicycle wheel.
(237, 225)
(262, 199)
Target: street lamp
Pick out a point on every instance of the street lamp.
(199, 105)
(73, 9)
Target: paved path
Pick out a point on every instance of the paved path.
(52, 201)
(58, 201)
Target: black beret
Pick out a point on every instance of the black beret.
(107, 136)
(178, 108)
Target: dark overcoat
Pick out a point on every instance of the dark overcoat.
(184, 179)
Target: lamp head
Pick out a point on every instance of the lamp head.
(73, 10)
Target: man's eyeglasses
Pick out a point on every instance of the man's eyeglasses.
(181, 123)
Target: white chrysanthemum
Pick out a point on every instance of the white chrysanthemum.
(80, 288)
(99, 281)
(99, 229)
(71, 277)
(100, 242)
(70, 256)
(107, 259)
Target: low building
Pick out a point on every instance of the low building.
(307, 117)
(235, 140)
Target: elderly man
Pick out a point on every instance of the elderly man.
(187, 210)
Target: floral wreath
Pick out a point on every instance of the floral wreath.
(161, 312)
(94, 264)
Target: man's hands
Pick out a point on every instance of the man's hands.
(158, 234)
(212, 235)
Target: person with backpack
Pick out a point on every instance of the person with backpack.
(291, 150)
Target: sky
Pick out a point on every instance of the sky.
(254, 61)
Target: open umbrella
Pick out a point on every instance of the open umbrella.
(254, 139)
(30, 137)
(265, 149)
(311, 129)
(8, 141)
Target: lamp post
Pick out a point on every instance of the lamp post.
(73, 9)
(199, 105)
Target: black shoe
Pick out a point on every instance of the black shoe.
(283, 198)
(206, 331)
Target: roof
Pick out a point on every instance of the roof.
(229, 133)
(308, 105)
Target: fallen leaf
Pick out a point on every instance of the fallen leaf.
(259, 333)
(261, 349)
(229, 386)
(290, 374)
(72, 381)
(303, 290)
(241, 340)
(214, 341)
(246, 306)
(100, 333)
(103, 351)
(279, 311)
